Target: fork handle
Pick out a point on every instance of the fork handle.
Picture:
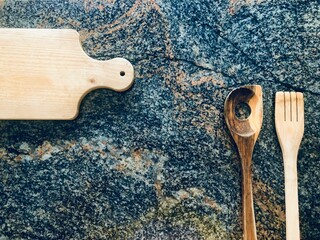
(291, 197)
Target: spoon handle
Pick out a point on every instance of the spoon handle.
(249, 225)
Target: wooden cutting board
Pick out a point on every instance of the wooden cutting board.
(44, 74)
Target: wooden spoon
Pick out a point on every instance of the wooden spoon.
(245, 133)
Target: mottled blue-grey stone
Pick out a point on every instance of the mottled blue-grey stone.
(157, 161)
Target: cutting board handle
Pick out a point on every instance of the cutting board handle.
(116, 74)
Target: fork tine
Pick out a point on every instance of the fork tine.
(279, 107)
(300, 106)
(293, 107)
(287, 107)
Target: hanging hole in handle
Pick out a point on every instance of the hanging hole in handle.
(242, 111)
(122, 73)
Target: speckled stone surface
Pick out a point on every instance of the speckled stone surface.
(157, 162)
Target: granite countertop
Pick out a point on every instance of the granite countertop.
(157, 161)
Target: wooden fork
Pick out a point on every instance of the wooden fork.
(289, 120)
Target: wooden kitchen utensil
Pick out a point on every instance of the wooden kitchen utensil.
(44, 74)
(245, 133)
(289, 120)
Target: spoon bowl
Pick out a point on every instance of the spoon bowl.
(252, 96)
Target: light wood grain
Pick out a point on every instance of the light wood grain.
(44, 74)
(245, 133)
(289, 120)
